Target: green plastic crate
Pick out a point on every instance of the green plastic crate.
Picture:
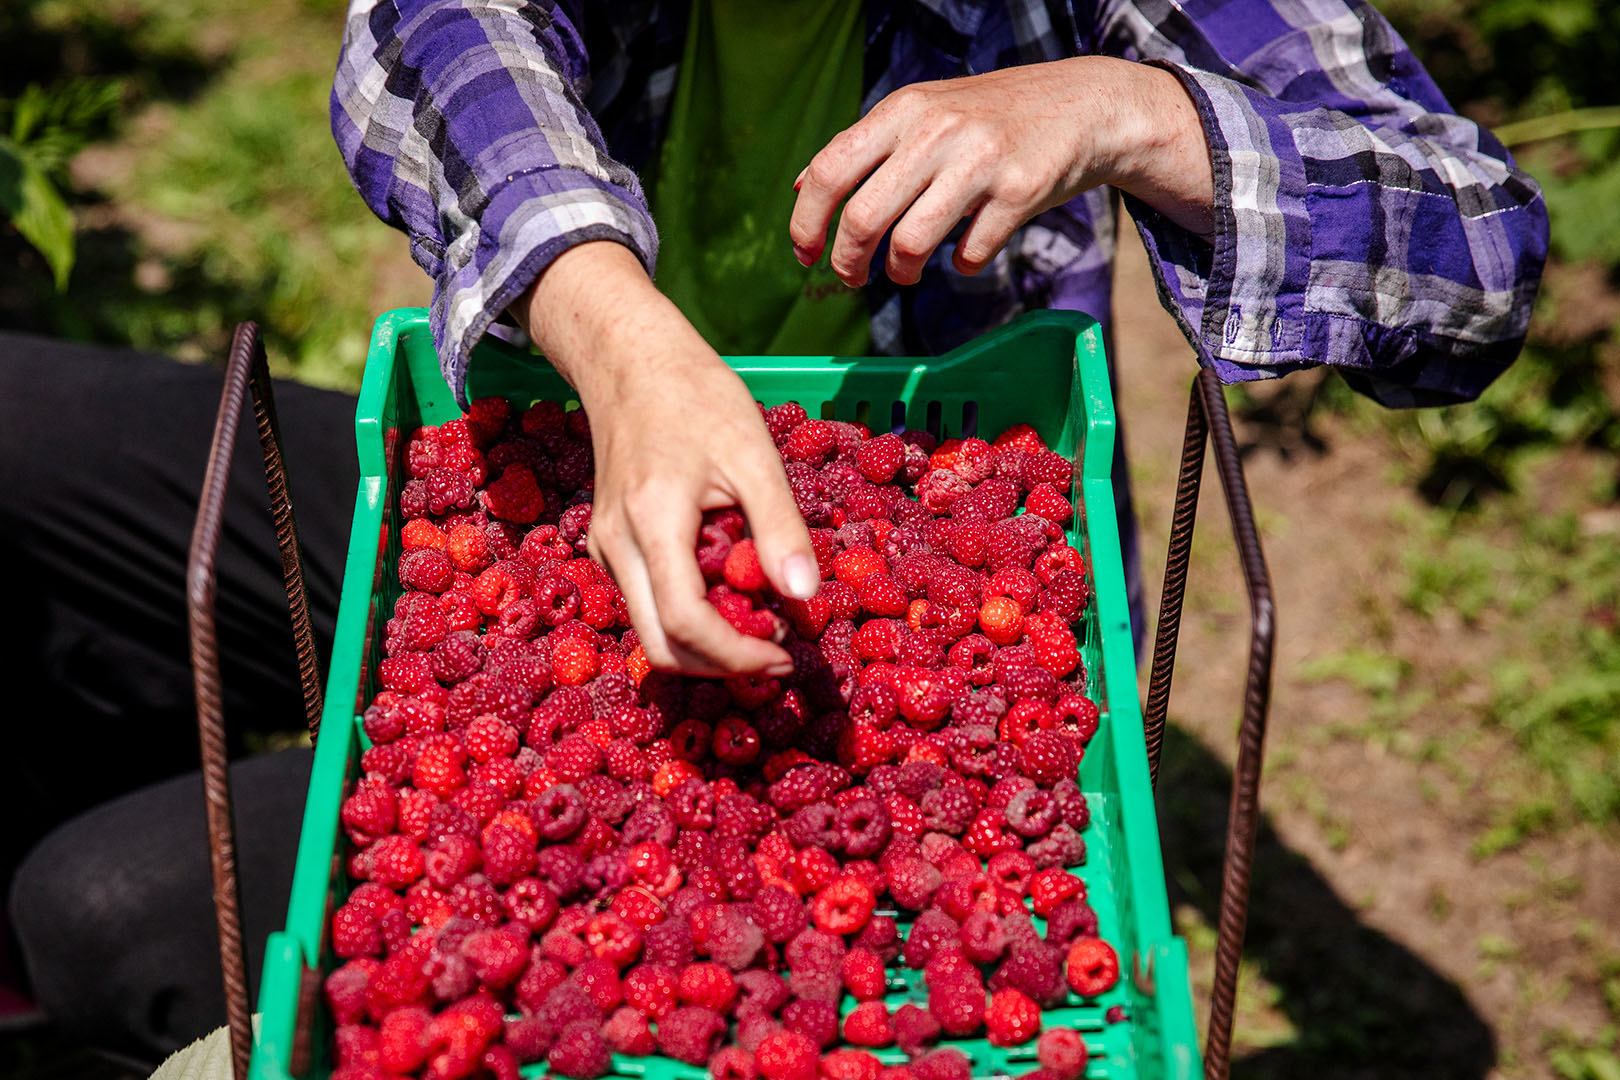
(1046, 369)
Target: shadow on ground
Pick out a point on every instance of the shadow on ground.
(1365, 1007)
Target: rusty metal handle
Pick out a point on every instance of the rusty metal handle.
(1208, 421)
(246, 371)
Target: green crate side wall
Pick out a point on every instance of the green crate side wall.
(399, 395)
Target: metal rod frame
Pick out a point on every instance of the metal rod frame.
(1209, 422)
(246, 371)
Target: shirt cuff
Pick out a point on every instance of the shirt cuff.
(529, 221)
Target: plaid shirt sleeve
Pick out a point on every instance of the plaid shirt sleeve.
(1359, 222)
(461, 123)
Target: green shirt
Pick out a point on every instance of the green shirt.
(763, 86)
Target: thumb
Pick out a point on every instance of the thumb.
(780, 537)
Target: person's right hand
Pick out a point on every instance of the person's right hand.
(675, 432)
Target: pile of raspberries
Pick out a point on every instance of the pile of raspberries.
(560, 854)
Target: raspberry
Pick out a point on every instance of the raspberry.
(394, 861)
(709, 985)
(627, 1032)
(1093, 967)
(863, 828)
(1002, 620)
(882, 596)
(1060, 847)
(1012, 1018)
(402, 1043)
(1047, 757)
(580, 1051)
(1063, 1053)
(787, 1055)
(850, 1065)
(427, 570)
(1047, 467)
(868, 1024)
(574, 758)
(733, 1063)
(1035, 969)
(370, 812)
(879, 459)
(446, 488)
(691, 1034)
(843, 907)
(734, 941)
(940, 490)
(864, 975)
(959, 1007)
(779, 914)
(573, 662)
(515, 496)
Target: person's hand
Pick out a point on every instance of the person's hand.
(675, 433)
(1000, 148)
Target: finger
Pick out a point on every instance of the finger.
(832, 174)
(687, 618)
(923, 227)
(985, 235)
(880, 200)
(783, 543)
(625, 563)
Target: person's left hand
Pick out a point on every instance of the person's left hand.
(1000, 148)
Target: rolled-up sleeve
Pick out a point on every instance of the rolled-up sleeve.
(1358, 221)
(461, 123)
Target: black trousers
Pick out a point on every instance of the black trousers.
(102, 454)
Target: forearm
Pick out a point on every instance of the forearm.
(1162, 155)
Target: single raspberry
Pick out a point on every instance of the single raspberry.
(1047, 757)
(733, 1063)
(1063, 1053)
(1035, 969)
(691, 1034)
(787, 1055)
(843, 907)
(580, 1051)
(446, 488)
(515, 496)
(958, 1006)
(868, 1024)
(427, 570)
(1002, 620)
(941, 489)
(709, 985)
(851, 1065)
(864, 975)
(573, 662)
(1046, 467)
(759, 990)
(879, 459)
(1062, 847)
(734, 940)
(1012, 1018)
(742, 570)
(1093, 967)
(882, 596)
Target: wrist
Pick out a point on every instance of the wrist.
(580, 308)
(1160, 154)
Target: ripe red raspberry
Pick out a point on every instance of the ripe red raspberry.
(1012, 1018)
(692, 1034)
(370, 812)
(515, 496)
(1079, 716)
(1057, 652)
(1093, 967)
(1063, 1053)
(958, 1006)
(1052, 886)
(421, 533)
(853, 1065)
(882, 596)
(812, 442)
(1047, 467)
(426, 570)
(445, 488)
(1044, 500)
(709, 985)
(852, 565)
(843, 907)
(580, 1051)
(394, 861)
(742, 569)
(1047, 757)
(782, 419)
(734, 940)
(651, 989)
(879, 459)
(1002, 620)
(868, 1024)
(787, 1055)
(864, 974)
(573, 662)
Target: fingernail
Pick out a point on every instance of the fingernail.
(801, 576)
(805, 256)
(799, 180)
(776, 671)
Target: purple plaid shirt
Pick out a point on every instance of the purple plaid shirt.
(1359, 222)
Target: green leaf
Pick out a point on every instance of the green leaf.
(37, 210)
